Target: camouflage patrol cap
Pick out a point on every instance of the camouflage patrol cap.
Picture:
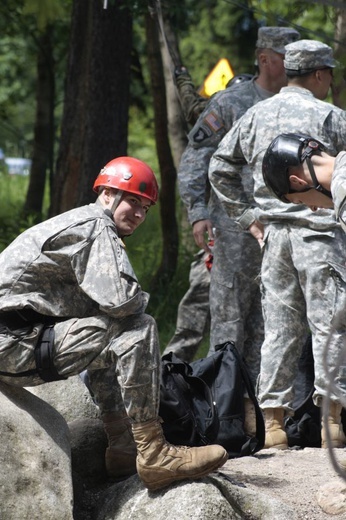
(308, 55)
(276, 38)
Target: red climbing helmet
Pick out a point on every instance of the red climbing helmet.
(131, 175)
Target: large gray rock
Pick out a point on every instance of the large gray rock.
(69, 397)
(36, 482)
(206, 499)
(88, 446)
(35, 476)
(185, 501)
(253, 504)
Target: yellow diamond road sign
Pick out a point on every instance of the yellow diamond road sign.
(217, 79)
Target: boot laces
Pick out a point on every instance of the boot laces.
(177, 448)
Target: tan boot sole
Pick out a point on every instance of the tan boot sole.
(334, 444)
(277, 447)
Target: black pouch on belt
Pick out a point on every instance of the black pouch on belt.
(44, 356)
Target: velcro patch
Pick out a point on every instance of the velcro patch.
(201, 133)
(209, 126)
(214, 122)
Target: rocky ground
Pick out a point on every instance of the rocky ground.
(304, 479)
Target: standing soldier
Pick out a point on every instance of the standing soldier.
(300, 246)
(193, 317)
(235, 305)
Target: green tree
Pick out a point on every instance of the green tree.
(17, 92)
(217, 29)
(168, 172)
(45, 17)
(35, 21)
(43, 142)
(95, 118)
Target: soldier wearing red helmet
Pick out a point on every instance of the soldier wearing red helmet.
(70, 302)
(131, 175)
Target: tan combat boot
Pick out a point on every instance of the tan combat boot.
(121, 453)
(337, 436)
(160, 463)
(275, 431)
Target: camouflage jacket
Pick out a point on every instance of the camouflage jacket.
(191, 102)
(338, 188)
(223, 109)
(294, 109)
(72, 265)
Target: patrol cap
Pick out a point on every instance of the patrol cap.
(276, 38)
(305, 56)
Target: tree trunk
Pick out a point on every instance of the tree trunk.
(168, 173)
(44, 126)
(95, 118)
(177, 126)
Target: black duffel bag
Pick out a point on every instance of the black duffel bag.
(202, 402)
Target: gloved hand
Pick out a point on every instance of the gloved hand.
(178, 71)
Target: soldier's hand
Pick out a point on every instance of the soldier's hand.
(202, 232)
(257, 231)
(180, 70)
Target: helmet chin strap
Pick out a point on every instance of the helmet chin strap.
(317, 185)
(116, 201)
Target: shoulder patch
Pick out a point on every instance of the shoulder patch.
(213, 122)
(201, 133)
(209, 125)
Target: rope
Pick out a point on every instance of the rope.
(156, 13)
(333, 388)
(155, 10)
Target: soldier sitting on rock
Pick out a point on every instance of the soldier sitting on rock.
(70, 301)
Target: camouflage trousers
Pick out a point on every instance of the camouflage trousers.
(235, 298)
(122, 359)
(301, 292)
(193, 319)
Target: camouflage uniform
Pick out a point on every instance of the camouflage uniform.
(338, 187)
(74, 269)
(193, 320)
(338, 190)
(300, 246)
(193, 317)
(235, 305)
(192, 103)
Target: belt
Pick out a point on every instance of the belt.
(24, 317)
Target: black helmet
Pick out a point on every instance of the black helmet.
(284, 151)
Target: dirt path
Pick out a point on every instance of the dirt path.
(294, 477)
